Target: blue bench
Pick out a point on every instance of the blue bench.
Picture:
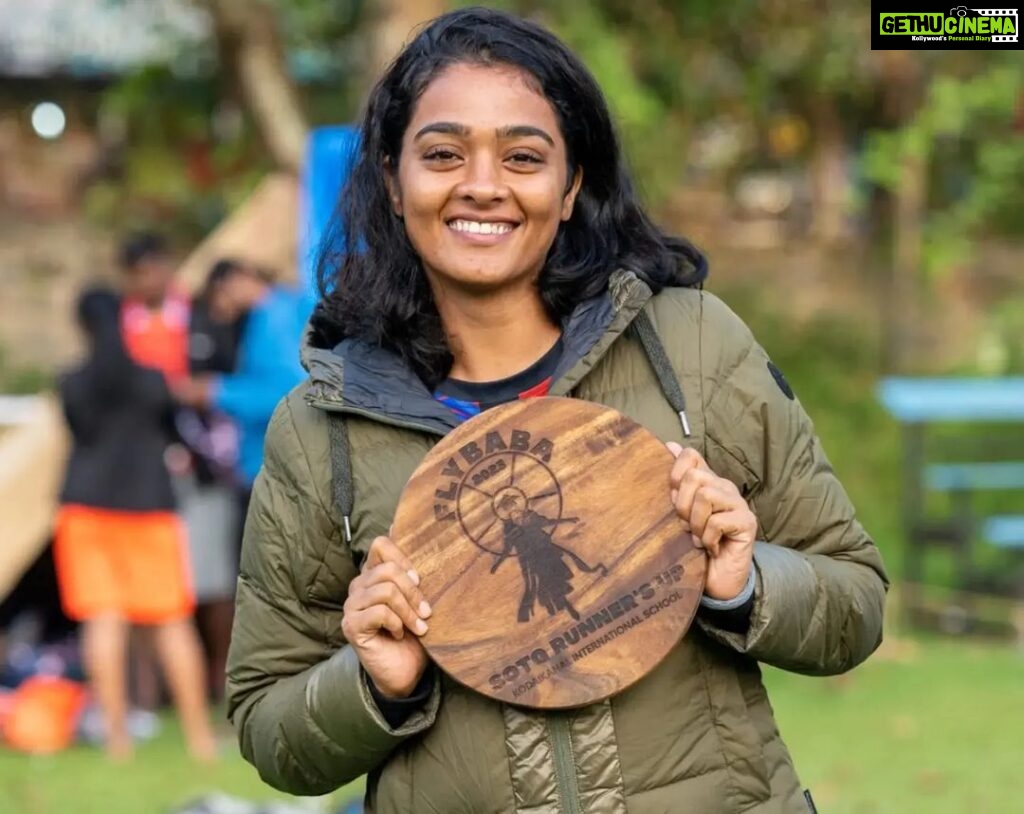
(996, 475)
(930, 400)
(921, 403)
(1002, 531)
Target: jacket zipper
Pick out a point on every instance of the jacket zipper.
(566, 774)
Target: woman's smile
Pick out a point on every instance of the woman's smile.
(482, 232)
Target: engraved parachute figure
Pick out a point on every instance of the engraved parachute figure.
(547, 577)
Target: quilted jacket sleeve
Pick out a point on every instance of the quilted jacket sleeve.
(296, 692)
(820, 581)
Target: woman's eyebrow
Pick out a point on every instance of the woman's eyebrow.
(521, 130)
(509, 131)
(448, 128)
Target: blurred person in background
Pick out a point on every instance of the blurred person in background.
(154, 325)
(120, 548)
(208, 493)
(215, 332)
(268, 363)
(154, 314)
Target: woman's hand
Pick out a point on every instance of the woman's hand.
(718, 517)
(384, 618)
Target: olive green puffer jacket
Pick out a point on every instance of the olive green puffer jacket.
(695, 735)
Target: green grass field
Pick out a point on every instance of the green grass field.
(931, 726)
(158, 779)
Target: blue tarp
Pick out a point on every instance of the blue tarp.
(330, 155)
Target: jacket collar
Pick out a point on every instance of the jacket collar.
(363, 379)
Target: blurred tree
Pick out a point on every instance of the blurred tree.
(182, 162)
(249, 41)
(229, 110)
(955, 169)
(270, 46)
(392, 23)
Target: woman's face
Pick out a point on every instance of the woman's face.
(482, 180)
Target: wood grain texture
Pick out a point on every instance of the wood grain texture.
(549, 549)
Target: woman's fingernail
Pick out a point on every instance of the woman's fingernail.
(425, 608)
(413, 576)
(674, 494)
(421, 627)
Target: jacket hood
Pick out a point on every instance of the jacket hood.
(364, 379)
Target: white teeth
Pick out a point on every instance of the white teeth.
(477, 228)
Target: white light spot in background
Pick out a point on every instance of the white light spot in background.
(48, 120)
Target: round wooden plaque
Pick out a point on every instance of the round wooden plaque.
(545, 538)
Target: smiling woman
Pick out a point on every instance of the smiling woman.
(482, 186)
(489, 164)
(502, 255)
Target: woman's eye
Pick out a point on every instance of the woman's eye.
(440, 154)
(525, 158)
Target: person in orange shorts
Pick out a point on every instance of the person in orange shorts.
(119, 548)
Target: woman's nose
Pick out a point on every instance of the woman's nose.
(483, 181)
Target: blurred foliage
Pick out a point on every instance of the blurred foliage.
(184, 150)
(969, 132)
(321, 38)
(1000, 350)
(181, 164)
(328, 53)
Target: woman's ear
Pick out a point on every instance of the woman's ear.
(391, 182)
(569, 200)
